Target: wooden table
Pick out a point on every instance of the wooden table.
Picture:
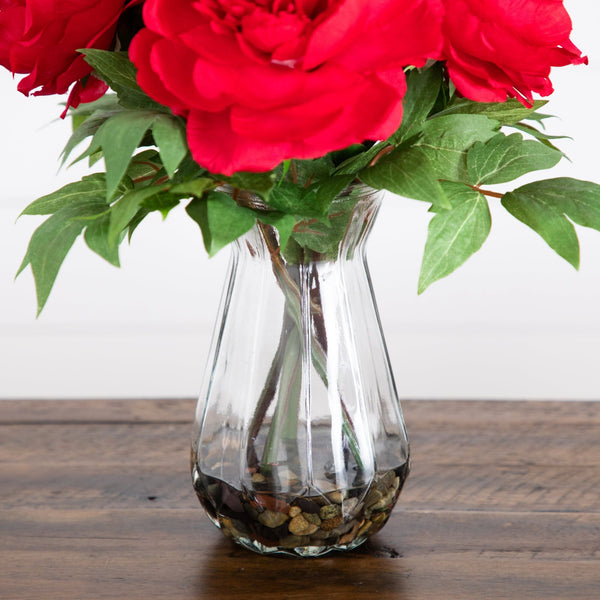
(503, 503)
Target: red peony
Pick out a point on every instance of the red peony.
(260, 81)
(505, 48)
(40, 38)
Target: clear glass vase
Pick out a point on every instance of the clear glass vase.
(299, 445)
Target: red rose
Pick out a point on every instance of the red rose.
(40, 38)
(505, 48)
(262, 81)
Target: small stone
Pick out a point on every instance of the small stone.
(294, 511)
(329, 511)
(349, 505)
(307, 505)
(343, 528)
(337, 497)
(332, 523)
(258, 478)
(300, 526)
(350, 536)
(322, 535)
(386, 481)
(384, 502)
(373, 497)
(364, 528)
(312, 518)
(272, 519)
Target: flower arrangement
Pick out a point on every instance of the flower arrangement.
(265, 111)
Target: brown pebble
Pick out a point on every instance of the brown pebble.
(333, 523)
(300, 526)
(337, 497)
(350, 536)
(272, 519)
(294, 511)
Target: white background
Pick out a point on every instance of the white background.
(515, 322)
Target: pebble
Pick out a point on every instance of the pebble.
(294, 511)
(307, 506)
(350, 536)
(272, 519)
(312, 518)
(329, 511)
(332, 523)
(300, 526)
(337, 497)
(349, 505)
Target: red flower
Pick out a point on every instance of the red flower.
(505, 48)
(40, 38)
(261, 81)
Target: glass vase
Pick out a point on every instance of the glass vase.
(299, 445)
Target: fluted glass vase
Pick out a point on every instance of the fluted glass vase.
(299, 445)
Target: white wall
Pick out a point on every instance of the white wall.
(515, 322)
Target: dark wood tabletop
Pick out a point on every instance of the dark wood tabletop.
(96, 502)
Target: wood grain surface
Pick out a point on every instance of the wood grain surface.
(503, 503)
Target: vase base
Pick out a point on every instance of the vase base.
(300, 525)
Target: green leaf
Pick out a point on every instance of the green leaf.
(169, 135)
(195, 187)
(579, 200)
(119, 137)
(505, 158)
(96, 237)
(91, 187)
(120, 74)
(506, 113)
(454, 235)
(547, 220)
(125, 209)
(87, 129)
(291, 199)
(163, 202)
(260, 184)
(446, 140)
(283, 223)
(328, 189)
(408, 173)
(423, 88)
(221, 220)
(52, 240)
(356, 163)
(542, 137)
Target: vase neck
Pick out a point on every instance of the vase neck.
(341, 235)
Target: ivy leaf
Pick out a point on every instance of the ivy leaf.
(423, 88)
(169, 135)
(542, 137)
(546, 218)
(96, 237)
(121, 75)
(221, 220)
(505, 158)
(506, 113)
(52, 240)
(119, 137)
(328, 189)
(446, 140)
(454, 235)
(408, 173)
